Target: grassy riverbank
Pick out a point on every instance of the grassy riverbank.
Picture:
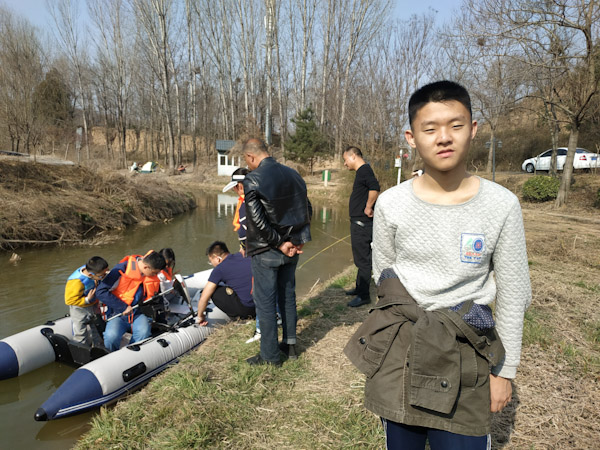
(213, 398)
(58, 204)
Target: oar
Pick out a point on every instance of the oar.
(161, 294)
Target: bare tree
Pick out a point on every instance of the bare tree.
(357, 25)
(21, 71)
(114, 50)
(65, 14)
(154, 17)
(573, 25)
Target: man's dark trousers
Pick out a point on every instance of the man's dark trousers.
(361, 236)
(274, 282)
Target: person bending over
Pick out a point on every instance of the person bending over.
(128, 284)
(235, 272)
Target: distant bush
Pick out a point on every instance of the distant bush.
(541, 188)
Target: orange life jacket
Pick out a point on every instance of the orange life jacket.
(168, 273)
(236, 216)
(131, 280)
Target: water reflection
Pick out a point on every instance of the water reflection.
(32, 291)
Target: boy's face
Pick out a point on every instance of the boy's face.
(239, 188)
(99, 276)
(442, 133)
(148, 271)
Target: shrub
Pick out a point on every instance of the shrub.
(541, 188)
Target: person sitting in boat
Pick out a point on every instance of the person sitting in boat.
(130, 283)
(166, 275)
(235, 272)
(80, 296)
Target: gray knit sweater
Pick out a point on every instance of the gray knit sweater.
(447, 254)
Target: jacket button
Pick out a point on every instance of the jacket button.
(362, 340)
(444, 384)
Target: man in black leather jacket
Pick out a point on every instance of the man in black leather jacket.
(278, 213)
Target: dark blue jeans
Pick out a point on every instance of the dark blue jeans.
(406, 437)
(274, 283)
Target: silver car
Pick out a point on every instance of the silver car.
(583, 160)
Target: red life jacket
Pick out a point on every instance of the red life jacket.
(132, 278)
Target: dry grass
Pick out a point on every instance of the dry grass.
(57, 204)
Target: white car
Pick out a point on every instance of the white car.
(583, 160)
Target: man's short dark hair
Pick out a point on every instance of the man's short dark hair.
(439, 91)
(217, 248)
(255, 146)
(353, 151)
(96, 264)
(155, 260)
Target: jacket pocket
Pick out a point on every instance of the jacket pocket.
(368, 349)
(474, 369)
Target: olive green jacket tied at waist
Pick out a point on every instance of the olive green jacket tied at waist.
(425, 368)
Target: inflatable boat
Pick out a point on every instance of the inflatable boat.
(104, 377)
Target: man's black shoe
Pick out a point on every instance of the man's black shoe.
(357, 301)
(258, 361)
(351, 292)
(289, 350)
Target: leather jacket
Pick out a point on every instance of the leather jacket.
(277, 207)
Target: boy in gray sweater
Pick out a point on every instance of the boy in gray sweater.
(451, 237)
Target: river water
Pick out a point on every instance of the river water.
(31, 292)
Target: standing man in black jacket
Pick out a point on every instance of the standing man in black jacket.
(278, 214)
(362, 201)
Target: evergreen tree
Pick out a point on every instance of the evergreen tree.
(308, 142)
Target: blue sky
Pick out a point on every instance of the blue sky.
(36, 12)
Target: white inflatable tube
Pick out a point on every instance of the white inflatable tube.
(106, 379)
(30, 349)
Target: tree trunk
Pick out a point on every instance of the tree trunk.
(565, 181)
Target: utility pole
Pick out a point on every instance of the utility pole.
(269, 27)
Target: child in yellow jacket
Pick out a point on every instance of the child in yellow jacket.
(80, 296)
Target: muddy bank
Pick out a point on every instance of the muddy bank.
(46, 204)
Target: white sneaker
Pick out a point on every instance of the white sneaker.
(279, 321)
(254, 338)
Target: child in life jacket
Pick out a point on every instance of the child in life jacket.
(80, 296)
(130, 283)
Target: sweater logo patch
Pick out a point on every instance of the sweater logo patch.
(472, 248)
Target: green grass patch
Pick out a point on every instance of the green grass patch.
(588, 286)
(535, 331)
(344, 281)
(592, 332)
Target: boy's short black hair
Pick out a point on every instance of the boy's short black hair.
(439, 91)
(353, 151)
(155, 261)
(96, 264)
(217, 248)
